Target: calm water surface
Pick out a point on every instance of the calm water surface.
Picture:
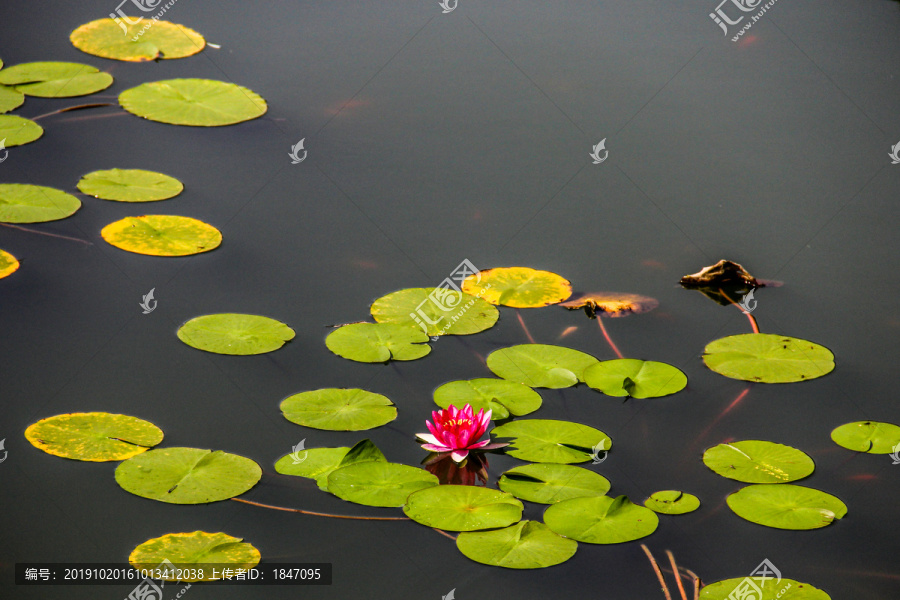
(437, 137)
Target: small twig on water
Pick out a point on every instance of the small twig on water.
(55, 235)
(659, 575)
(318, 514)
(71, 108)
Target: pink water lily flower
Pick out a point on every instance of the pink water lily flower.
(457, 431)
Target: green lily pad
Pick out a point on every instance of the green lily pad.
(136, 43)
(162, 235)
(191, 552)
(635, 378)
(786, 589)
(236, 334)
(94, 436)
(550, 483)
(378, 342)
(540, 365)
(768, 358)
(786, 506)
(601, 520)
(10, 98)
(55, 79)
(525, 545)
(187, 475)
(463, 508)
(338, 409)
(548, 441)
(378, 483)
(9, 264)
(130, 185)
(198, 102)
(441, 311)
(18, 131)
(755, 461)
(319, 463)
(868, 436)
(500, 396)
(519, 287)
(26, 203)
(672, 502)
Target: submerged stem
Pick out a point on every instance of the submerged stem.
(753, 323)
(56, 235)
(524, 328)
(71, 108)
(677, 574)
(659, 575)
(318, 514)
(606, 335)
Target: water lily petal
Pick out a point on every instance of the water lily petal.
(428, 438)
(435, 448)
(459, 455)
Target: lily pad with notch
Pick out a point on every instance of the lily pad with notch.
(26, 203)
(786, 506)
(319, 463)
(339, 409)
(757, 461)
(137, 43)
(187, 551)
(55, 79)
(601, 520)
(502, 397)
(873, 437)
(441, 311)
(94, 436)
(540, 365)
(196, 102)
(187, 475)
(378, 342)
(525, 545)
(235, 334)
(551, 483)
(549, 441)
(130, 185)
(768, 358)
(463, 508)
(518, 287)
(378, 482)
(635, 378)
(672, 502)
(162, 235)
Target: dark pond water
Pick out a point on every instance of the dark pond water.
(433, 138)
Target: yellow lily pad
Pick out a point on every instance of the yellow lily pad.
(196, 553)
(94, 436)
(136, 42)
(162, 235)
(8, 264)
(519, 287)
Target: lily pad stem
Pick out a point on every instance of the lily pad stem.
(677, 574)
(56, 235)
(606, 335)
(753, 323)
(70, 108)
(524, 328)
(318, 514)
(659, 575)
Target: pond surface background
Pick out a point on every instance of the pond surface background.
(434, 138)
